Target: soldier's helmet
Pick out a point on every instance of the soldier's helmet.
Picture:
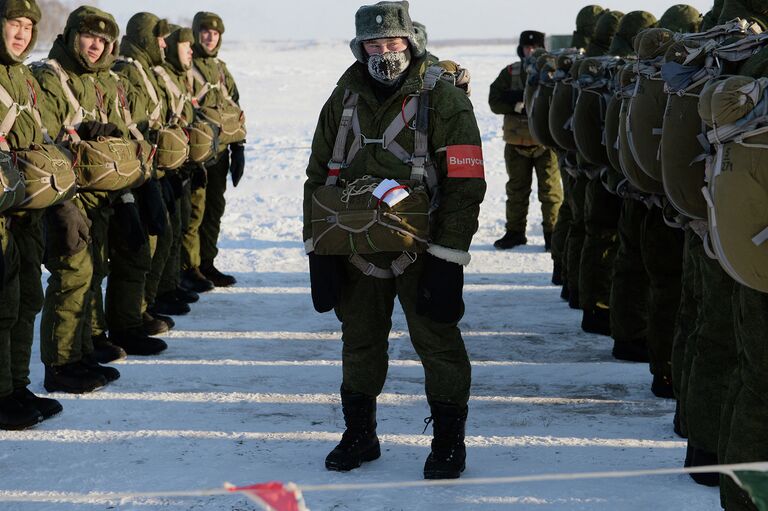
(681, 18)
(384, 20)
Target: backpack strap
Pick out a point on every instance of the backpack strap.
(154, 115)
(14, 110)
(73, 121)
(339, 158)
(121, 105)
(177, 97)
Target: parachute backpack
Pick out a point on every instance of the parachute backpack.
(40, 176)
(538, 115)
(737, 193)
(226, 117)
(349, 219)
(563, 102)
(613, 176)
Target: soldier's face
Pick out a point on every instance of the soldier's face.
(18, 34)
(528, 50)
(382, 46)
(92, 46)
(185, 54)
(209, 38)
(161, 43)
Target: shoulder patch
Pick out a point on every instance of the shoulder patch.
(465, 161)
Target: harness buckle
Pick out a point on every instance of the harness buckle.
(365, 141)
(369, 269)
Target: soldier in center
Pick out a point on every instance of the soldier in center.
(441, 157)
(522, 153)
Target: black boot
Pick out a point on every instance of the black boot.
(557, 274)
(359, 442)
(702, 458)
(109, 373)
(662, 387)
(548, 242)
(565, 292)
(46, 406)
(169, 303)
(136, 342)
(635, 350)
(16, 415)
(186, 295)
(510, 239)
(193, 280)
(573, 298)
(448, 457)
(597, 321)
(219, 279)
(74, 378)
(153, 325)
(677, 425)
(104, 351)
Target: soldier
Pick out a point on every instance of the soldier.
(391, 67)
(21, 232)
(214, 85)
(586, 22)
(522, 154)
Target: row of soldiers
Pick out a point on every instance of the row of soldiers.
(114, 161)
(658, 127)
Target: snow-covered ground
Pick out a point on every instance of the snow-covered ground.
(247, 391)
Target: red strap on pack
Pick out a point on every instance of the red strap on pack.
(334, 172)
(400, 187)
(465, 161)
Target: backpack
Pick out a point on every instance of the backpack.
(562, 105)
(538, 115)
(590, 112)
(227, 117)
(45, 170)
(737, 191)
(348, 219)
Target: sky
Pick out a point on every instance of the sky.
(334, 19)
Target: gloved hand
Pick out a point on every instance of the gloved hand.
(91, 130)
(199, 178)
(236, 162)
(68, 228)
(326, 275)
(440, 290)
(153, 211)
(131, 228)
(169, 196)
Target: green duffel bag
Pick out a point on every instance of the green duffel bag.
(48, 176)
(561, 108)
(11, 183)
(172, 148)
(203, 141)
(110, 164)
(738, 210)
(351, 220)
(229, 121)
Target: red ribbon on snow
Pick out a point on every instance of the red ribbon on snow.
(273, 496)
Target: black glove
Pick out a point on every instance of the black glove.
(153, 211)
(199, 178)
(91, 130)
(326, 275)
(169, 196)
(68, 228)
(440, 290)
(236, 162)
(131, 229)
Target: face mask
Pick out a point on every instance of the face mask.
(389, 67)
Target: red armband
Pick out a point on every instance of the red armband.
(465, 161)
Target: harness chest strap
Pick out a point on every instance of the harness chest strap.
(121, 104)
(207, 86)
(177, 97)
(154, 116)
(14, 109)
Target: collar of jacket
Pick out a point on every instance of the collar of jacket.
(355, 78)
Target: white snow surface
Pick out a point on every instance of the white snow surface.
(248, 390)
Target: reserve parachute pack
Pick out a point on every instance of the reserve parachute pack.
(563, 102)
(737, 193)
(170, 140)
(107, 163)
(226, 116)
(538, 114)
(370, 215)
(45, 170)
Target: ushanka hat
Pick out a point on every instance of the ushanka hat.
(384, 20)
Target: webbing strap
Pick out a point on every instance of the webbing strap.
(339, 147)
(177, 97)
(14, 109)
(208, 86)
(70, 123)
(154, 116)
(760, 237)
(121, 104)
(396, 267)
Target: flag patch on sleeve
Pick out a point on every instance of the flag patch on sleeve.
(465, 161)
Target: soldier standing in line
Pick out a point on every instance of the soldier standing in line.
(522, 154)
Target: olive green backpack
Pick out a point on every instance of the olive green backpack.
(590, 111)
(227, 117)
(538, 115)
(11, 184)
(563, 102)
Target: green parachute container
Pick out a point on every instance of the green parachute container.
(737, 194)
(588, 114)
(532, 77)
(646, 108)
(538, 115)
(561, 108)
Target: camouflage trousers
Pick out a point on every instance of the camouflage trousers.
(214, 210)
(521, 162)
(9, 309)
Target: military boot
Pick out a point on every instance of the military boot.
(448, 457)
(136, 342)
(662, 387)
(109, 373)
(548, 242)
(565, 293)
(74, 378)
(169, 304)
(635, 350)
(596, 321)
(186, 296)
(702, 458)
(104, 351)
(153, 325)
(46, 406)
(16, 415)
(219, 279)
(193, 280)
(511, 239)
(557, 274)
(573, 298)
(359, 442)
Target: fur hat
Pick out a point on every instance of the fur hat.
(421, 33)
(12, 9)
(206, 21)
(530, 38)
(384, 20)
